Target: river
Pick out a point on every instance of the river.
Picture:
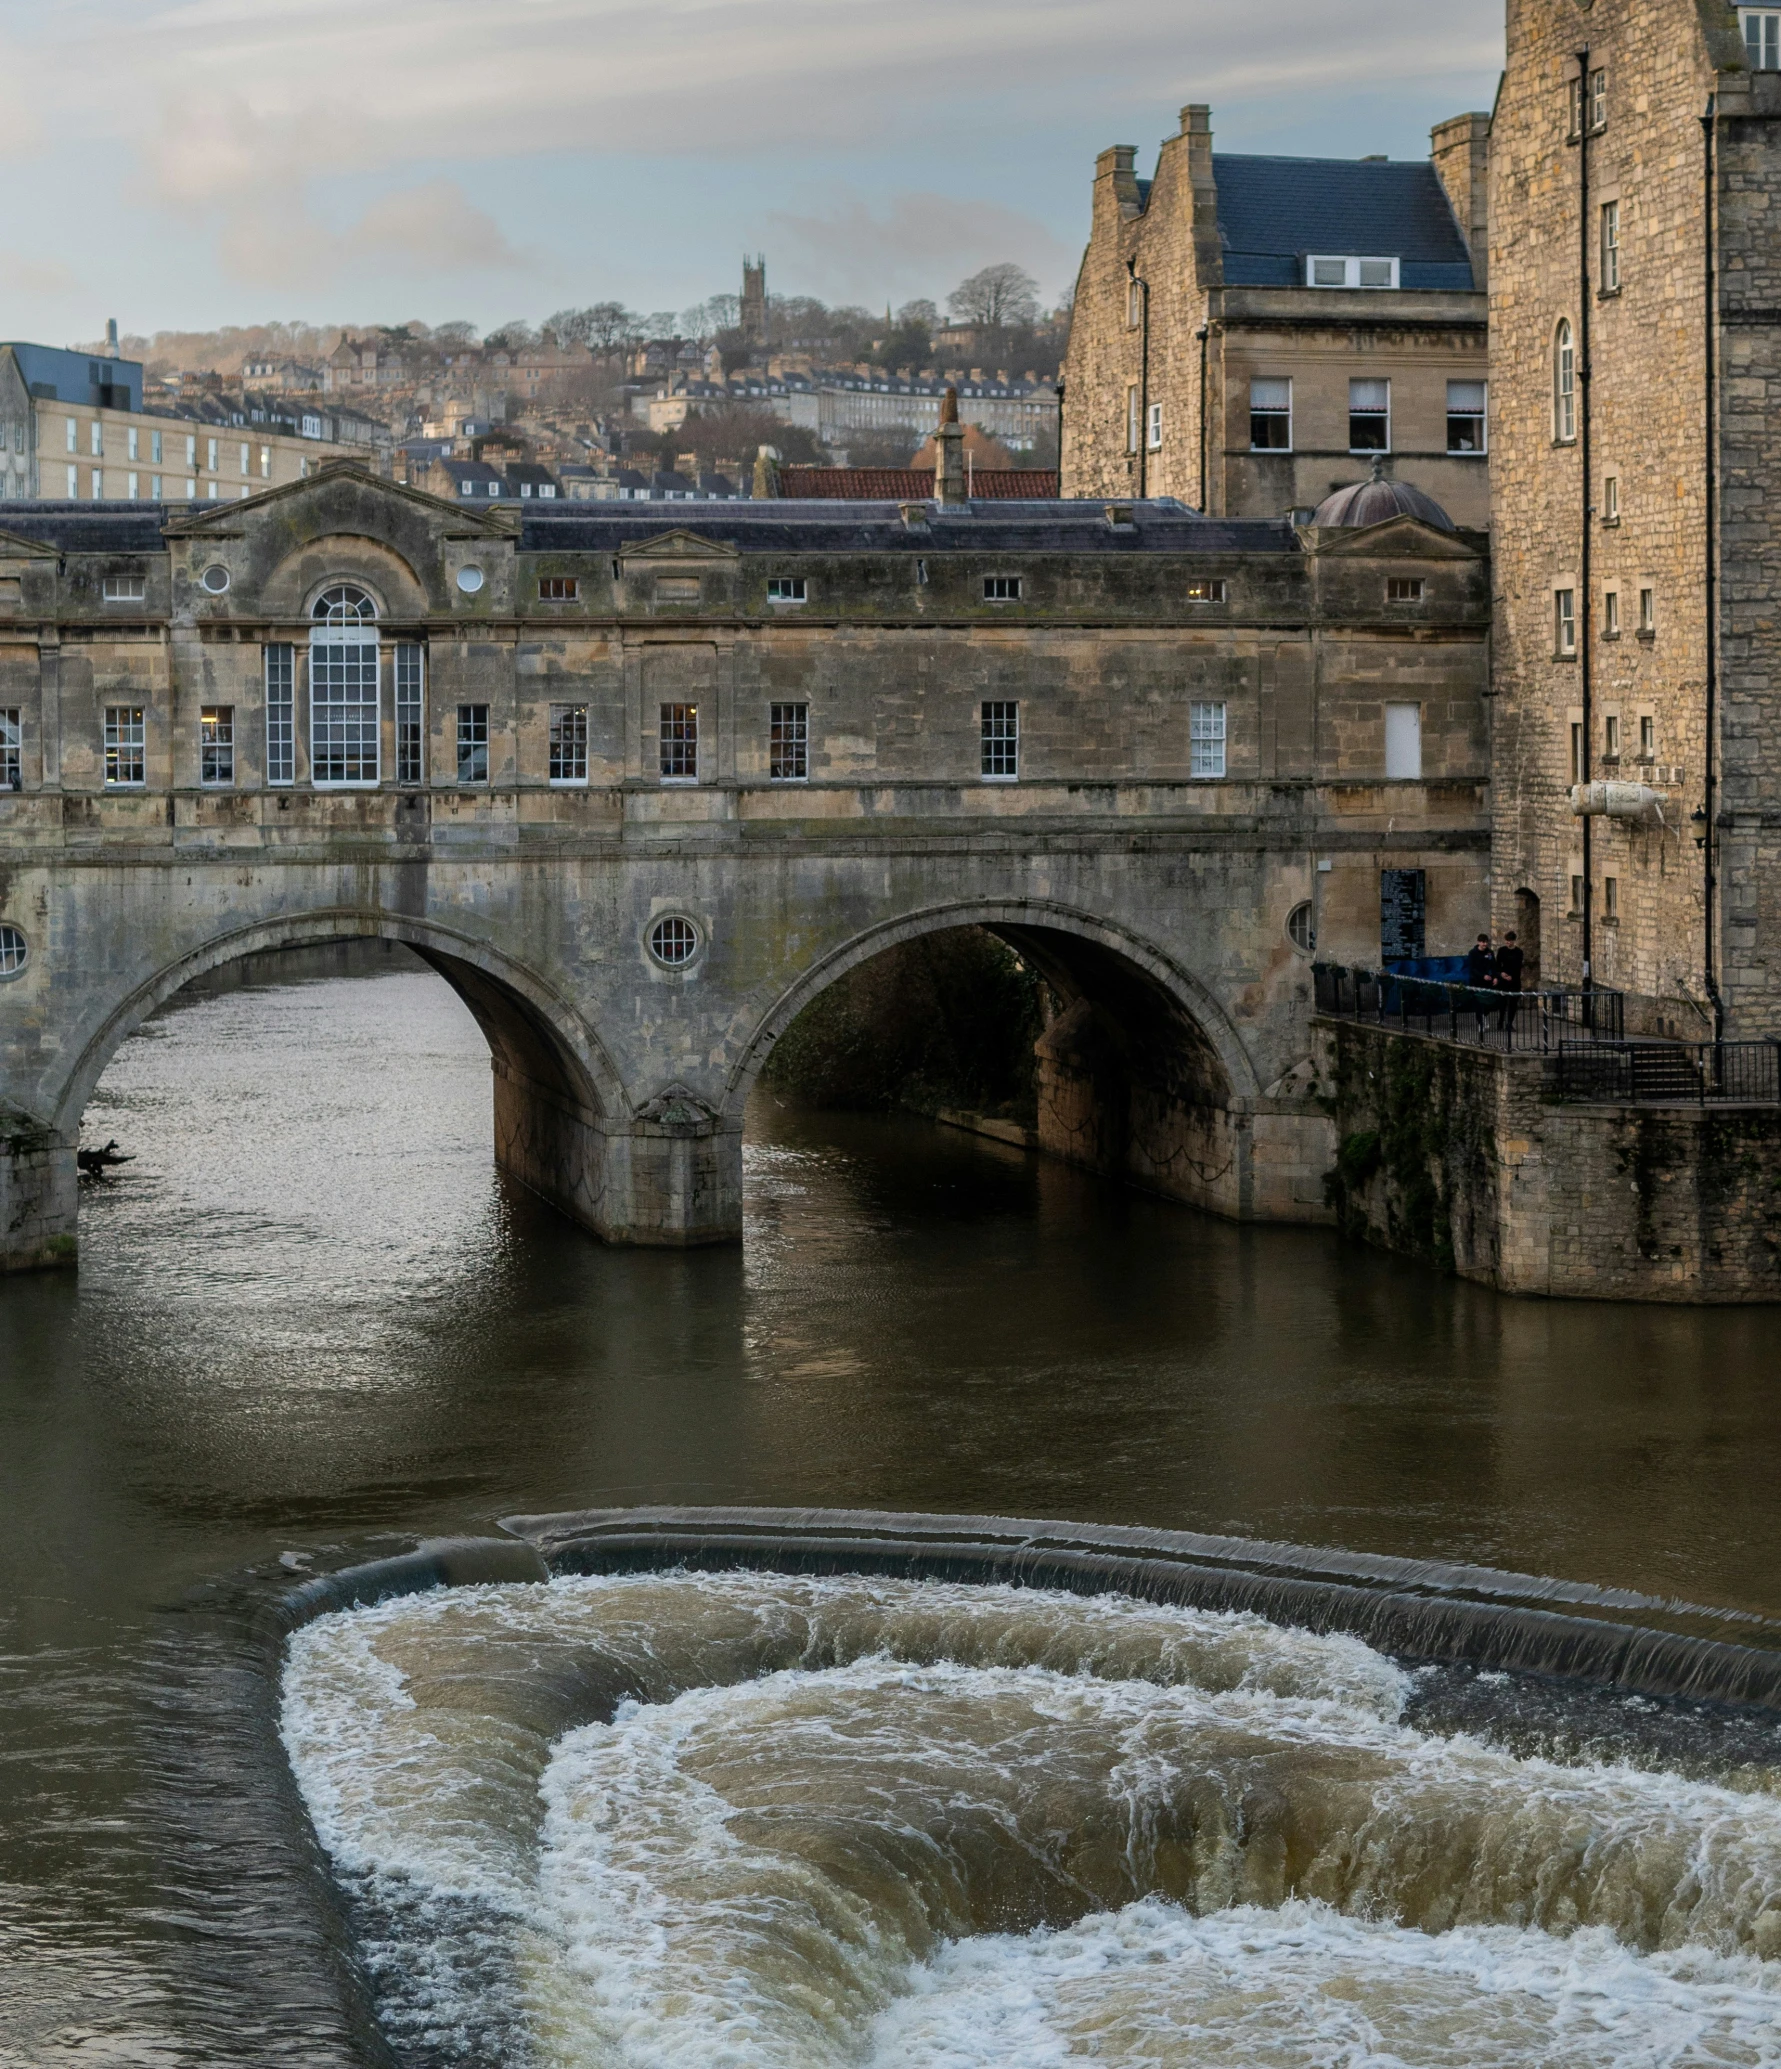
(311, 1322)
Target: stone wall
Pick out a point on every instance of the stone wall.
(1457, 1157)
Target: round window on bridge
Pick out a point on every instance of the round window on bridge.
(674, 942)
(13, 950)
(1299, 929)
(215, 578)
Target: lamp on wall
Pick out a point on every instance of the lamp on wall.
(1698, 820)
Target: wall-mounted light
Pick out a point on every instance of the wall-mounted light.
(1698, 820)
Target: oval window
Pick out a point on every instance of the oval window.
(470, 580)
(1299, 929)
(13, 950)
(673, 941)
(215, 578)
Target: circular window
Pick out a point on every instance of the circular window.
(344, 606)
(470, 580)
(12, 950)
(215, 578)
(1299, 930)
(674, 942)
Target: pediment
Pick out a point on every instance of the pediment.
(679, 545)
(236, 520)
(1394, 538)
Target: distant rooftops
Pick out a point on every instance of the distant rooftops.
(1276, 213)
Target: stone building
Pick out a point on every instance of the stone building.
(1251, 333)
(1636, 454)
(640, 782)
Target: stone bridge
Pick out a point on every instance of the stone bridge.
(638, 790)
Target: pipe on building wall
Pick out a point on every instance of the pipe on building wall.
(1202, 334)
(1585, 599)
(1709, 882)
(1131, 266)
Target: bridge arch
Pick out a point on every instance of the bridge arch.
(1141, 1074)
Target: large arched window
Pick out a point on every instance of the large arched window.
(344, 720)
(1564, 383)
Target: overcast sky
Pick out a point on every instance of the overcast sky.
(228, 161)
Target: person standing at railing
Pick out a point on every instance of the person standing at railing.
(1481, 976)
(1510, 965)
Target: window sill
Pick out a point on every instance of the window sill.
(680, 782)
(1607, 294)
(1466, 452)
(1564, 444)
(998, 779)
(1649, 638)
(1565, 657)
(1610, 524)
(792, 782)
(1611, 635)
(1369, 452)
(568, 783)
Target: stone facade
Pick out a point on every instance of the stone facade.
(1208, 338)
(1159, 902)
(1631, 701)
(1456, 1157)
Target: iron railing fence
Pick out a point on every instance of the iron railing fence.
(1528, 1022)
(1658, 1073)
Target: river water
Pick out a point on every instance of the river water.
(311, 1323)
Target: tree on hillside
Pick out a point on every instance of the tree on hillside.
(998, 298)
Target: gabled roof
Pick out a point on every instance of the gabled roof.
(231, 519)
(1273, 211)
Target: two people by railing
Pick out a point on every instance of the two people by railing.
(1497, 969)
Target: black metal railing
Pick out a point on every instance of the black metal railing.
(1529, 1022)
(1657, 1073)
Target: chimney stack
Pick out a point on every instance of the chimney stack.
(949, 451)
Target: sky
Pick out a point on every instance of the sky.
(190, 165)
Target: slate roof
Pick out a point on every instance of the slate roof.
(92, 527)
(915, 484)
(1273, 211)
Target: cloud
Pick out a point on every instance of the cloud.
(432, 228)
(915, 244)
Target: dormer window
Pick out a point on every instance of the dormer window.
(1762, 38)
(1332, 271)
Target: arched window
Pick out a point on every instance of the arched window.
(1564, 383)
(345, 733)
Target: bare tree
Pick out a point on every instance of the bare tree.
(610, 324)
(997, 298)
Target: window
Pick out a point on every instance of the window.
(245, 458)
(191, 450)
(1001, 589)
(1134, 304)
(1564, 621)
(124, 588)
(1270, 415)
(1369, 416)
(1762, 38)
(1648, 611)
(132, 489)
(787, 589)
(1611, 737)
(1153, 427)
(344, 727)
(281, 715)
(1610, 273)
(265, 463)
(1611, 499)
(1465, 416)
(568, 743)
(98, 483)
(125, 754)
(12, 751)
(1611, 614)
(216, 744)
(673, 941)
(1598, 101)
(1205, 736)
(1564, 384)
(1000, 734)
(1610, 898)
(13, 951)
(1131, 418)
(210, 463)
(1210, 590)
(1300, 929)
(558, 589)
(466, 488)
(1576, 894)
(1403, 589)
(411, 731)
(1576, 752)
(134, 439)
(1403, 742)
(96, 438)
(191, 489)
(73, 483)
(1345, 272)
(680, 743)
(473, 743)
(788, 743)
(154, 448)
(154, 487)
(1647, 739)
(73, 430)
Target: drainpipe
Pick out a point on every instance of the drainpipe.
(1202, 334)
(1585, 601)
(1709, 885)
(1131, 266)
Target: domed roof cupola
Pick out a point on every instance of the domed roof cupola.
(1372, 502)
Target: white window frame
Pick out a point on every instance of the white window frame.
(154, 449)
(278, 666)
(788, 589)
(1369, 381)
(998, 734)
(124, 589)
(1153, 428)
(74, 484)
(96, 438)
(1648, 611)
(98, 484)
(126, 747)
(1564, 383)
(473, 732)
(344, 664)
(1342, 270)
(1610, 248)
(1403, 743)
(788, 743)
(1269, 410)
(1762, 37)
(1207, 726)
(73, 427)
(1001, 589)
(1133, 417)
(12, 749)
(1479, 417)
(677, 741)
(216, 747)
(133, 438)
(1564, 623)
(409, 682)
(1610, 613)
(568, 747)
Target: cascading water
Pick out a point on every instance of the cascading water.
(760, 1819)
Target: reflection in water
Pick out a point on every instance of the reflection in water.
(311, 1316)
